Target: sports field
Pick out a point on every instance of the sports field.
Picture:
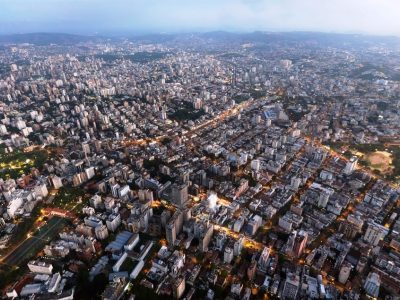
(380, 160)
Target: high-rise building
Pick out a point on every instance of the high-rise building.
(263, 260)
(375, 233)
(295, 182)
(203, 177)
(362, 263)
(113, 221)
(372, 285)
(123, 191)
(345, 272)
(205, 235)
(178, 287)
(114, 190)
(96, 201)
(145, 195)
(220, 240)
(41, 190)
(171, 233)
(351, 226)
(238, 246)
(251, 270)
(97, 146)
(163, 114)
(101, 232)
(212, 200)
(86, 148)
(3, 129)
(300, 243)
(90, 172)
(255, 164)
(237, 226)
(174, 227)
(228, 255)
(323, 199)
(187, 214)
(253, 224)
(179, 194)
(350, 166)
(165, 216)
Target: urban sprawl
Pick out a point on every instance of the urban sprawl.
(200, 166)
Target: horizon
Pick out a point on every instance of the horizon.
(139, 17)
(119, 35)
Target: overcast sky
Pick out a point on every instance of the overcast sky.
(146, 16)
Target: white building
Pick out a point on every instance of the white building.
(3, 129)
(113, 221)
(255, 165)
(295, 182)
(20, 124)
(132, 242)
(41, 190)
(212, 200)
(90, 172)
(56, 181)
(92, 221)
(350, 165)
(123, 191)
(237, 226)
(119, 262)
(54, 283)
(101, 232)
(13, 205)
(41, 267)
(228, 255)
(136, 270)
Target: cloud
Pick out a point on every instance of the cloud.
(369, 16)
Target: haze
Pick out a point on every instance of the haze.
(149, 16)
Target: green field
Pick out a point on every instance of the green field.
(186, 112)
(68, 198)
(14, 164)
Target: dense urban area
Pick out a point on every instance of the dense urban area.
(200, 166)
